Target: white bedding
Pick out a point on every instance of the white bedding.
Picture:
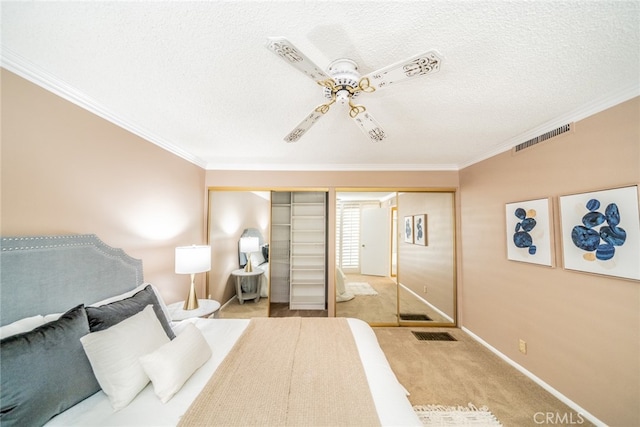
(147, 410)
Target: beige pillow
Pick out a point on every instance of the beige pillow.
(114, 355)
(170, 366)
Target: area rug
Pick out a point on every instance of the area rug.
(360, 288)
(470, 415)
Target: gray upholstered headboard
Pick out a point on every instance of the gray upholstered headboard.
(51, 274)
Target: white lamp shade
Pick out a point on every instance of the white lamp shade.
(193, 259)
(249, 244)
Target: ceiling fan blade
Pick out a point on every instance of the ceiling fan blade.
(306, 124)
(369, 126)
(416, 66)
(292, 55)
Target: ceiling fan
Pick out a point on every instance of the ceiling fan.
(342, 83)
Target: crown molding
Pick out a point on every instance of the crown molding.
(610, 100)
(29, 71)
(331, 167)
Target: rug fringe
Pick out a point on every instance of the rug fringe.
(441, 415)
(470, 407)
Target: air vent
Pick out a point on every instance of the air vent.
(433, 336)
(412, 316)
(544, 137)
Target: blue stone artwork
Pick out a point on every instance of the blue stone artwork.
(521, 236)
(599, 244)
(419, 232)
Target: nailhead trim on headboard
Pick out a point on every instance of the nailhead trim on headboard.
(49, 274)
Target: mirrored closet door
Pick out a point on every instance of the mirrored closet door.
(426, 258)
(232, 214)
(395, 257)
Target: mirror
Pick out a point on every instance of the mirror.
(230, 214)
(426, 260)
(365, 256)
(395, 257)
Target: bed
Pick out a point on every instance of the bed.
(85, 279)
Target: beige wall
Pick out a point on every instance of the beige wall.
(67, 171)
(582, 330)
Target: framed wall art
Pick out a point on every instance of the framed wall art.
(420, 229)
(529, 232)
(408, 229)
(601, 232)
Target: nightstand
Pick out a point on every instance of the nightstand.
(207, 308)
(248, 290)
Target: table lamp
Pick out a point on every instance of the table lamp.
(248, 245)
(191, 260)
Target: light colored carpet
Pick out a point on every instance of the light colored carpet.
(382, 309)
(360, 288)
(470, 415)
(454, 372)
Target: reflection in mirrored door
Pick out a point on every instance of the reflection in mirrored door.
(365, 287)
(231, 212)
(395, 257)
(426, 258)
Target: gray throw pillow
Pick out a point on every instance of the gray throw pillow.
(45, 371)
(105, 316)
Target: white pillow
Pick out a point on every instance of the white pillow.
(170, 366)
(22, 325)
(256, 258)
(51, 317)
(114, 355)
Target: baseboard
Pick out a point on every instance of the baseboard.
(538, 381)
(228, 302)
(436, 309)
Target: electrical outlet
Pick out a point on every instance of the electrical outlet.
(425, 289)
(522, 346)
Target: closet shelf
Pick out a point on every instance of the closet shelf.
(304, 222)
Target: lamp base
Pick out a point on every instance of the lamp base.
(248, 267)
(191, 303)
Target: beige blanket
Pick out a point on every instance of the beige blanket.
(288, 372)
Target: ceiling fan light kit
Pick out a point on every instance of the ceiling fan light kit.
(342, 83)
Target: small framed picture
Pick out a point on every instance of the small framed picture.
(420, 229)
(408, 229)
(529, 232)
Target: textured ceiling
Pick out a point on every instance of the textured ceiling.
(196, 78)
